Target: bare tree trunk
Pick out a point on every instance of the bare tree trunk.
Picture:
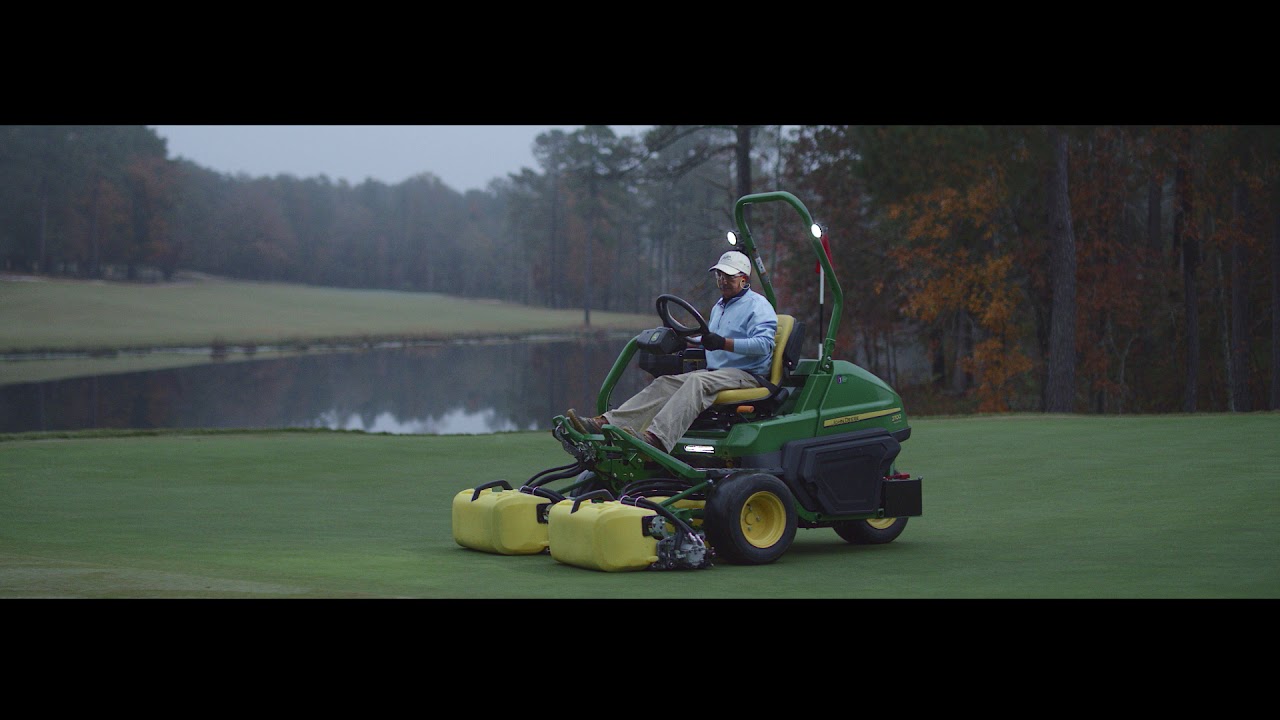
(1227, 364)
(1100, 395)
(1062, 330)
(1153, 260)
(742, 154)
(591, 239)
(1155, 198)
(42, 262)
(95, 268)
(892, 353)
(1239, 306)
(963, 341)
(529, 292)
(1123, 357)
(878, 346)
(939, 366)
(1275, 315)
(553, 284)
(1190, 263)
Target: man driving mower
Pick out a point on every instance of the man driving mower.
(741, 442)
(739, 352)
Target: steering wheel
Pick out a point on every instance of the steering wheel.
(681, 329)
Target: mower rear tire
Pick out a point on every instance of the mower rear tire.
(876, 531)
(750, 519)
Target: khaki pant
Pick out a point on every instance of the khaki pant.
(670, 404)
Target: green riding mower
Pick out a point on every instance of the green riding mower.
(816, 446)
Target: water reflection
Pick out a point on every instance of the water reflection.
(445, 389)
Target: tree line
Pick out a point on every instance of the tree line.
(1106, 269)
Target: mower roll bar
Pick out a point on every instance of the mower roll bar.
(749, 248)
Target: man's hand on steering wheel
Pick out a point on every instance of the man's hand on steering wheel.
(712, 341)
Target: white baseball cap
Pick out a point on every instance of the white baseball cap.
(733, 263)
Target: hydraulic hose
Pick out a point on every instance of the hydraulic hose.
(535, 483)
(555, 473)
(666, 487)
(647, 503)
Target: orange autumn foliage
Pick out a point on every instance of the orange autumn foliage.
(946, 276)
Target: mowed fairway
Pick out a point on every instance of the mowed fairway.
(1022, 506)
(47, 314)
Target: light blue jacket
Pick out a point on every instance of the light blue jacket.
(750, 320)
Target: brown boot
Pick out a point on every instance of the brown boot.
(587, 426)
(646, 436)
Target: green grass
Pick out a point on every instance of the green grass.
(130, 327)
(65, 315)
(1016, 507)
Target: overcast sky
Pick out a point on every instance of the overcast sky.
(464, 157)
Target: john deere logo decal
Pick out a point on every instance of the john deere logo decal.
(858, 418)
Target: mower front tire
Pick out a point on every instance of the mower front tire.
(870, 532)
(750, 519)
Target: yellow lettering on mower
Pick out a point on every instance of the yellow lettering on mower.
(858, 418)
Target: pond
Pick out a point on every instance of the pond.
(444, 389)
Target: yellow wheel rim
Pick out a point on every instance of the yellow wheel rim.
(882, 523)
(763, 519)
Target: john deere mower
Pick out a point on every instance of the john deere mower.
(816, 446)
